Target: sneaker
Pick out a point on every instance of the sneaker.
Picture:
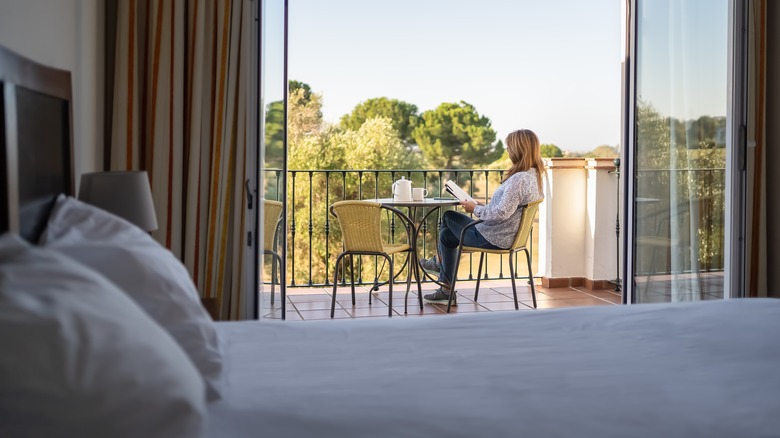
(440, 297)
(431, 265)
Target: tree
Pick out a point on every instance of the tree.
(304, 117)
(316, 145)
(455, 135)
(274, 134)
(294, 85)
(550, 151)
(274, 119)
(604, 151)
(403, 116)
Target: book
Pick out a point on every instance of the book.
(456, 191)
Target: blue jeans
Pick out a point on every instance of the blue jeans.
(452, 224)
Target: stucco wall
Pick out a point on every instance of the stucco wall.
(66, 34)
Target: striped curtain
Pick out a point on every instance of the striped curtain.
(179, 112)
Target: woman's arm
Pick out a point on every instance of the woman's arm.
(513, 193)
(469, 206)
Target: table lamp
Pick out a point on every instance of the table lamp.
(125, 194)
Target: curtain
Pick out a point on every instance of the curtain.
(179, 112)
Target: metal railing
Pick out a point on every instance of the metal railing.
(699, 203)
(314, 240)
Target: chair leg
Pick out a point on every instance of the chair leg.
(352, 279)
(479, 275)
(283, 298)
(530, 276)
(417, 277)
(390, 288)
(409, 261)
(335, 279)
(273, 277)
(514, 286)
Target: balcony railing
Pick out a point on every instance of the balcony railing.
(314, 239)
(560, 247)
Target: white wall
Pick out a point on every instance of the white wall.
(66, 34)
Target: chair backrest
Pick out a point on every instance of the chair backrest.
(360, 223)
(272, 211)
(526, 223)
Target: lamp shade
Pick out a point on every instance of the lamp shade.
(125, 194)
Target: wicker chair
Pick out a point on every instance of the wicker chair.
(361, 234)
(521, 238)
(272, 214)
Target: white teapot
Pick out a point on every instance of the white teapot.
(402, 190)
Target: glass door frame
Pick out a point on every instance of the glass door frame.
(736, 133)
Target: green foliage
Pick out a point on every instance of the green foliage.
(274, 135)
(304, 117)
(274, 120)
(403, 116)
(681, 163)
(294, 86)
(454, 135)
(550, 151)
(375, 144)
(603, 151)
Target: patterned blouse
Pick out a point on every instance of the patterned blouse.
(501, 216)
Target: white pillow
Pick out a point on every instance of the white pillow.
(150, 274)
(79, 358)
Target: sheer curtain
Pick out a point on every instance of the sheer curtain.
(680, 159)
(179, 112)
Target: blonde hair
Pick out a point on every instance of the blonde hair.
(523, 149)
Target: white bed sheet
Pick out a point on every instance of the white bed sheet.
(670, 370)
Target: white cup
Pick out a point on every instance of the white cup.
(419, 194)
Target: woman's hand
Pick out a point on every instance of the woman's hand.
(468, 206)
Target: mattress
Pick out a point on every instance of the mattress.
(673, 370)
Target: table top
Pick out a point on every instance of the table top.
(427, 202)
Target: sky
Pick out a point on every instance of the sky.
(683, 57)
(552, 67)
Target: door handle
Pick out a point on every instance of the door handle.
(248, 195)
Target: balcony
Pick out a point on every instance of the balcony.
(575, 243)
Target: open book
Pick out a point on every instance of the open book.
(456, 191)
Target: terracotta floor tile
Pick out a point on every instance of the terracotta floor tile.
(314, 305)
(611, 297)
(494, 296)
(428, 309)
(548, 304)
(305, 290)
(497, 297)
(324, 314)
(591, 301)
(508, 305)
(292, 315)
(369, 311)
(561, 294)
(308, 298)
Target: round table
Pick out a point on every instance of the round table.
(432, 204)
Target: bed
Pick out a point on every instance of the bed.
(105, 354)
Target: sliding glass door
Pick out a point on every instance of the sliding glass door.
(273, 157)
(679, 150)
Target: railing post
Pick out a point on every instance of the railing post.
(311, 221)
(327, 227)
(292, 231)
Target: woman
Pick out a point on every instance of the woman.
(500, 218)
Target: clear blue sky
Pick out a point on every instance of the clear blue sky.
(553, 67)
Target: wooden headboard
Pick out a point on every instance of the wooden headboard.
(36, 142)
